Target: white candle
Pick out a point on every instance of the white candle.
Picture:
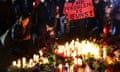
(45, 61)
(60, 49)
(41, 60)
(80, 61)
(37, 58)
(75, 61)
(14, 63)
(74, 54)
(19, 63)
(68, 53)
(41, 53)
(23, 62)
(104, 53)
(71, 45)
(30, 63)
(34, 57)
(60, 67)
(71, 68)
(66, 48)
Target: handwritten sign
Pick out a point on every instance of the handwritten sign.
(79, 9)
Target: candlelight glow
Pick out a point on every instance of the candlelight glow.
(79, 61)
(60, 66)
(77, 48)
(30, 63)
(41, 53)
(45, 61)
(104, 53)
(14, 63)
(76, 53)
(24, 62)
(18, 63)
(109, 60)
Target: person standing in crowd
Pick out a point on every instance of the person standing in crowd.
(26, 6)
(60, 3)
(116, 19)
(17, 43)
(18, 38)
(5, 16)
(64, 25)
(108, 22)
(99, 14)
(59, 26)
(15, 10)
(40, 18)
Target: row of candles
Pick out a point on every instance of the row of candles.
(74, 50)
(79, 52)
(21, 64)
(84, 48)
(37, 58)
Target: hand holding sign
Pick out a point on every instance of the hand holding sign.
(79, 9)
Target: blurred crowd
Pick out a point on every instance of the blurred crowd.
(50, 12)
(29, 24)
(44, 19)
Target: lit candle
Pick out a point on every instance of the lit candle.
(41, 60)
(30, 63)
(23, 62)
(60, 49)
(60, 67)
(80, 61)
(66, 48)
(79, 51)
(34, 57)
(68, 53)
(14, 63)
(71, 68)
(74, 54)
(109, 60)
(72, 45)
(18, 63)
(37, 58)
(75, 61)
(45, 61)
(41, 53)
(77, 43)
(104, 52)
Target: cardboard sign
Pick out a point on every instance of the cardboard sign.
(79, 9)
